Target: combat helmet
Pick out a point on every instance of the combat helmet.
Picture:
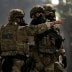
(16, 13)
(49, 11)
(36, 9)
(48, 7)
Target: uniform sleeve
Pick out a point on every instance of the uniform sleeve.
(42, 27)
(48, 24)
(57, 26)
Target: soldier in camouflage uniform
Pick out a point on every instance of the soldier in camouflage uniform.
(15, 43)
(37, 15)
(50, 16)
(13, 56)
(45, 49)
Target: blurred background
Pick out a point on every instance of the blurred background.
(64, 11)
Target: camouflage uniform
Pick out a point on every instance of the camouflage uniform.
(50, 16)
(44, 52)
(17, 43)
(12, 45)
(37, 15)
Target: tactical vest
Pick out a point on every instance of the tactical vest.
(8, 38)
(13, 39)
(45, 42)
